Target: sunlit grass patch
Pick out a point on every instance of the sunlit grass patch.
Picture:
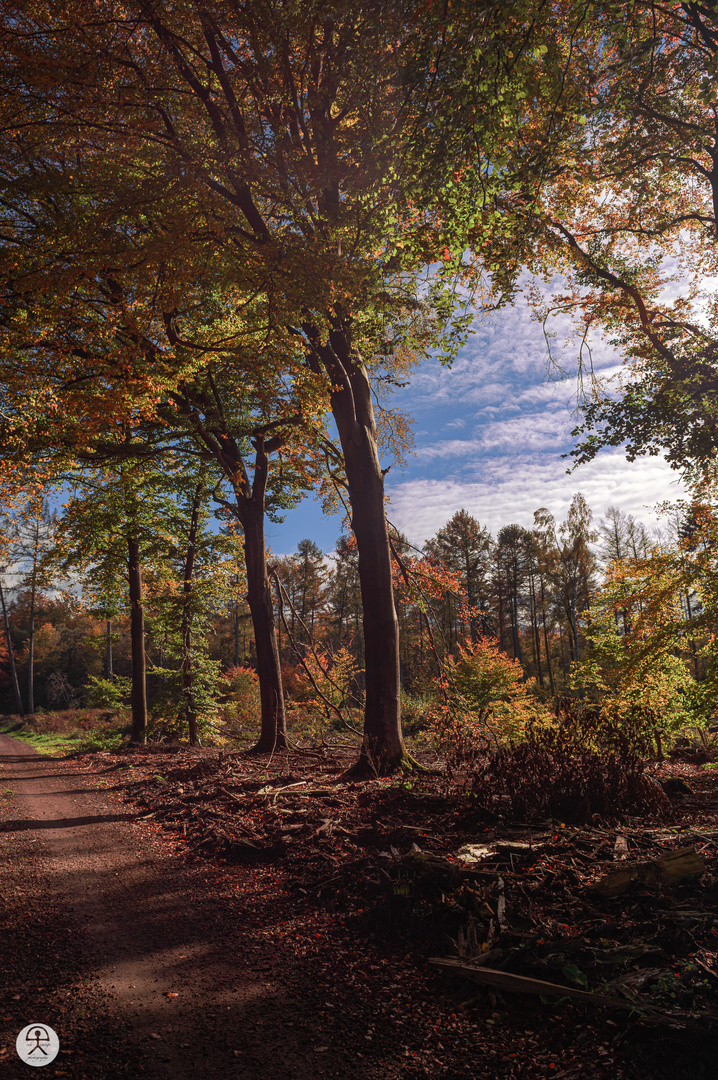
(56, 734)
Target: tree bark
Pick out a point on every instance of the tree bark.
(545, 640)
(383, 747)
(535, 627)
(31, 645)
(138, 696)
(273, 735)
(11, 655)
(108, 649)
(188, 697)
(250, 508)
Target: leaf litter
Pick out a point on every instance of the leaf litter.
(370, 881)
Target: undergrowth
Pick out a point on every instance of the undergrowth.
(578, 770)
(69, 730)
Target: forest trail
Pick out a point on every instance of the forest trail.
(130, 952)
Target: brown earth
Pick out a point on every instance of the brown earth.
(103, 919)
(187, 914)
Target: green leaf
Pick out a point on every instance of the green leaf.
(575, 976)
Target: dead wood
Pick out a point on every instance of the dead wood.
(673, 868)
(520, 984)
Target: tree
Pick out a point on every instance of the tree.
(32, 535)
(185, 584)
(625, 213)
(334, 153)
(10, 650)
(344, 600)
(511, 579)
(638, 669)
(107, 529)
(571, 566)
(465, 545)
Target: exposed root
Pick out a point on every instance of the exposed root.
(372, 766)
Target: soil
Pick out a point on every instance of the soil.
(177, 913)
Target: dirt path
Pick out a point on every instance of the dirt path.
(130, 952)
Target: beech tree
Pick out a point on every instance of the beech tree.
(105, 531)
(332, 150)
(623, 210)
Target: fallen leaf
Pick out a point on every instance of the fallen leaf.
(170, 994)
(154, 1035)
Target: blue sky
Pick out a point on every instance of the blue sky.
(489, 436)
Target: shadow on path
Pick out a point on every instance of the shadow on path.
(24, 824)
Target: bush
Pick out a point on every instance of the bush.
(416, 712)
(170, 707)
(555, 773)
(58, 692)
(242, 704)
(487, 703)
(108, 693)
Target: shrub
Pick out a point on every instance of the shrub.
(58, 691)
(336, 675)
(241, 700)
(416, 712)
(556, 773)
(487, 702)
(170, 707)
(108, 693)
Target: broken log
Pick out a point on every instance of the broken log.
(673, 868)
(520, 984)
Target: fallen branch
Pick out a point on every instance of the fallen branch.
(520, 984)
(673, 868)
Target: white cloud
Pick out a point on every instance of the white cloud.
(512, 488)
(448, 448)
(545, 430)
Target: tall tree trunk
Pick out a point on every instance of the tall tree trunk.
(471, 599)
(535, 626)
(188, 696)
(236, 634)
(383, 747)
(138, 696)
(549, 665)
(31, 649)
(108, 649)
(514, 615)
(11, 655)
(261, 605)
(249, 508)
(501, 611)
(574, 628)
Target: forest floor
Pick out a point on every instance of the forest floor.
(181, 913)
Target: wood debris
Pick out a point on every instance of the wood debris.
(520, 984)
(671, 869)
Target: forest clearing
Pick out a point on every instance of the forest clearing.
(439, 799)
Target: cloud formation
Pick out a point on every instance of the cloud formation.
(512, 488)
